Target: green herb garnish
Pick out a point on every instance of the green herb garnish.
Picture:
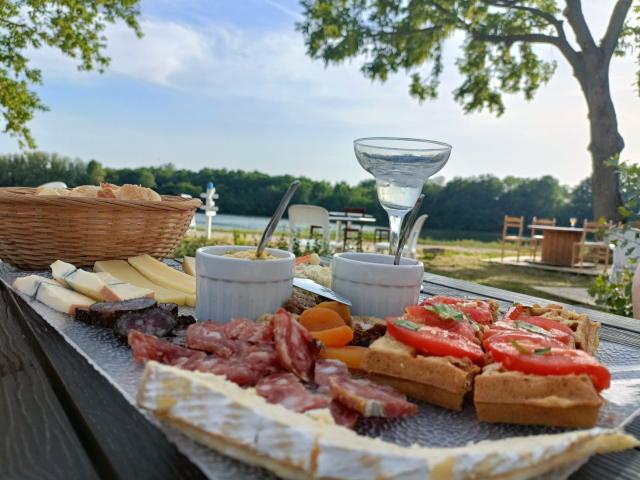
(520, 348)
(531, 327)
(446, 312)
(474, 325)
(409, 325)
(542, 351)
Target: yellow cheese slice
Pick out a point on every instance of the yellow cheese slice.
(190, 300)
(125, 272)
(52, 294)
(124, 290)
(163, 274)
(189, 266)
(82, 281)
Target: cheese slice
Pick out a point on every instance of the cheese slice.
(125, 272)
(239, 423)
(189, 266)
(84, 282)
(52, 294)
(163, 275)
(124, 290)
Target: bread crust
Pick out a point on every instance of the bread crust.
(555, 400)
(585, 330)
(443, 381)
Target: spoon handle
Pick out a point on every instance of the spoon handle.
(404, 235)
(275, 218)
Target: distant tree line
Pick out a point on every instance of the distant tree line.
(473, 204)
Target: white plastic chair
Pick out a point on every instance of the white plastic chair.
(54, 185)
(308, 216)
(410, 248)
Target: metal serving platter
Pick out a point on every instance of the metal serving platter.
(431, 427)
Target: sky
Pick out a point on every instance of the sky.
(227, 84)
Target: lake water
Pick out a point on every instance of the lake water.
(224, 221)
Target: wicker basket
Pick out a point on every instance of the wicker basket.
(37, 230)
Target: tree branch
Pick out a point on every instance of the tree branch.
(573, 12)
(616, 23)
(550, 18)
(522, 37)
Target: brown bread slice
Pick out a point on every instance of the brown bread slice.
(442, 381)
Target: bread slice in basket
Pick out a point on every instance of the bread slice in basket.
(442, 381)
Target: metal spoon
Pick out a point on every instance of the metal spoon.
(404, 235)
(275, 218)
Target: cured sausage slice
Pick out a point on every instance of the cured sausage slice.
(370, 399)
(105, 314)
(148, 347)
(235, 371)
(248, 330)
(210, 337)
(295, 347)
(155, 321)
(285, 389)
(342, 415)
(325, 369)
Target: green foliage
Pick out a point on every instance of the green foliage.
(616, 296)
(188, 246)
(73, 27)
(460, 206)
(497, 55)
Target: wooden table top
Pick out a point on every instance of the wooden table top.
(64, 420)
(556, 229)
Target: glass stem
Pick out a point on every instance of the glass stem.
(395, 224)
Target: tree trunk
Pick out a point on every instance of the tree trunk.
(606, 141)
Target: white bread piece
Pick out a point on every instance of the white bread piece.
(189, 266)
(125, 272)
(124, 290)
(239, 423)
(83, 282)
(163, 274)
(52, 294)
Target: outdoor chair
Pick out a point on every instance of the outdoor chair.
(592, 242)
(316, 218)
(352, 232)
(381, 237)
(411, 247)
(509, 224)
(536, 238)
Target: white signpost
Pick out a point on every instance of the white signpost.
(209, 207)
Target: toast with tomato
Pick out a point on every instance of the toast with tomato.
(432, 353)
(536, 375)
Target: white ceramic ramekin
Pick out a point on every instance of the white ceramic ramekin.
(374, 284)
(234, 287)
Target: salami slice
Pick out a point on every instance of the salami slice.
(342, 415)
(295, 347)
(154, 321)
(285, 389)
(235, 371)
(210, 337)
(328, 368)
(148, 347)
(370, 399)
(105, 314)
(189, 363)
(248, 330)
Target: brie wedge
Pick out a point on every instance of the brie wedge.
(163, 275)
(87, 283)
(125, 272)
(52, 294)
(241, 424)
(189, 266)
(124, 290)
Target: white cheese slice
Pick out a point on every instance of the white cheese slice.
(241, 424)
(163, 274)
(82, 281)
(125, 272)
(124, 290)
(189, 266)
(52, 294)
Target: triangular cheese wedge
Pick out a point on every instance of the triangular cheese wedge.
(163, 275)
(125, 272)
(189, 266)
(87, 283)
(52, 294)
(124, 290)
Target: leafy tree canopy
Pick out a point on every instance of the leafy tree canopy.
(73, 27)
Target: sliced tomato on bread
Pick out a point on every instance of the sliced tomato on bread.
(454, 321)
(434, 340)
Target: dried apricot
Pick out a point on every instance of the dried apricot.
(351, 355)
(340, 308)
(316, 319)
(334, 337)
